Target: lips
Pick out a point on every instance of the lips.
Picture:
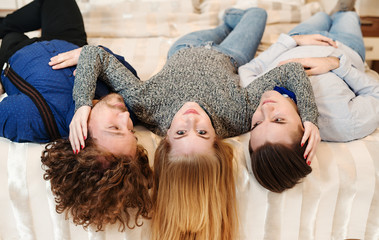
(191, 111)
(268, 101)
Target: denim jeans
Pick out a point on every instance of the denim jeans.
(341, 26)
(238, 37)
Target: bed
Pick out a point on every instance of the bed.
(338, 200)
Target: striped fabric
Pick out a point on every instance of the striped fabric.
(338, 200)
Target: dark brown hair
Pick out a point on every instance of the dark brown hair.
(278, 167)
(96, 187)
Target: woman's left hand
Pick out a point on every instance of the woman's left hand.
(66, 59)
(312, 134)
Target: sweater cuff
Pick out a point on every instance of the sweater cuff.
(343, 69)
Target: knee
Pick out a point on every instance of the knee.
(258, 12)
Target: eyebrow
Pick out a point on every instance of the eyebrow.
(114, 133)
(185, 135)
(271, 121)
(119, 134)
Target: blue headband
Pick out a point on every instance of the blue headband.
(285, 92)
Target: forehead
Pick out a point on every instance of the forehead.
(191, 145)
(274, 133)
(116, 144)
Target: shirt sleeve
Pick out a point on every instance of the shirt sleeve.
(20, 120)
(259, 64)
(359, 102)
(293, 77)
(94, 63)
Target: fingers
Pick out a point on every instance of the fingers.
(312, 134)
(78, 129)
(325, 41)
(66, 59)
(77, 137)
(60, 61)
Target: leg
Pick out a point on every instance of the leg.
(319, 22)
(11, 43)
(62, 20)
(199, 38)
(232, 17)
(346, 28)
(25, 19)
(242, 43)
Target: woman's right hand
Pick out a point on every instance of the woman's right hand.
(314, 39)
(78, 128)
(312, 135)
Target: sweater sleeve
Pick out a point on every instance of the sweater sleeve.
(292, 77)
(259, 64)
(94, 63)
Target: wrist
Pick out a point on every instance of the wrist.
(335, 62)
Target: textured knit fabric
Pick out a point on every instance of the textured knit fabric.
(200, 75)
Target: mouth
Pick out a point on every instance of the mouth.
(268, 101)
(191, 111)
(118, 105)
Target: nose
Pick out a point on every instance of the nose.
(191, 120)
(123, 118)
(267, 109)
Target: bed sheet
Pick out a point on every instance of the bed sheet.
(338, 200)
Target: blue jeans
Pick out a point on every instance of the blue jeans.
(238, 37)
(344, 27)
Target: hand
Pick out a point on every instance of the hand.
(312, 134)
(316, 65)
(66, 59)
(314, 39)
(78, 128)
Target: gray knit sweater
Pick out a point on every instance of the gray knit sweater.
(200, 75)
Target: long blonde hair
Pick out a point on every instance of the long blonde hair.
(194, 196)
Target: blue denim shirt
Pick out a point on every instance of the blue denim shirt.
(20, 120)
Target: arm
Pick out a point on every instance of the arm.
(292, 77)
(70, 58)
(362, 104)
(316, 65)
(20, 120)
(259, 64)
(95, 62)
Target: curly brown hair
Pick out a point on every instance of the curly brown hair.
(96, 187)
